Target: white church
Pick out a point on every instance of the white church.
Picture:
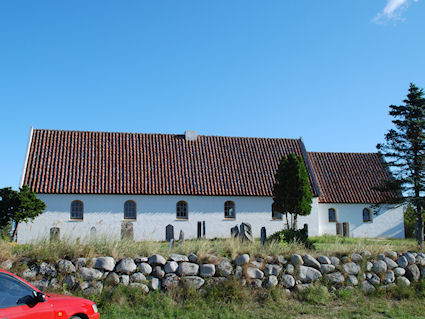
(135, 184)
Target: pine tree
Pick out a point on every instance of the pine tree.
(404, 153)
(291, 191)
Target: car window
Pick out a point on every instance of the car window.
(13, 292)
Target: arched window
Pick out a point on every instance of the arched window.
(367, 215)
(181, 210)
(275, 213)
(77, 210)
(229, 209)
(332, 215)
(130, 210)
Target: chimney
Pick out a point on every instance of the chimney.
(190, 135)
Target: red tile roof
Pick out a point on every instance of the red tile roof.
(350, 177)
(155, 164)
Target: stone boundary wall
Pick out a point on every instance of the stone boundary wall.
(293, 274)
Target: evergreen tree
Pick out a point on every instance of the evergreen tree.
(291, 191)
(404, 153)
(17, 207)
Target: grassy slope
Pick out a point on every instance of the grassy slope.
(237, 302)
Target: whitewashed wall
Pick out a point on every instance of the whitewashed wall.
(105, 213)
(388, 222)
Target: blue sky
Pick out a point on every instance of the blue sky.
(323, 70)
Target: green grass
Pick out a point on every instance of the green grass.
(233, 301)
(323, 245)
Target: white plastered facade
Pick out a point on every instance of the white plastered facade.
(155, 212)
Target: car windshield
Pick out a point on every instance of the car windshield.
(14, 292)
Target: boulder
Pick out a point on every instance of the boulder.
(138, 277)
(154, 283)
(193, 258)
(41, 284)
(242, 260)
(270, 269)
(81, 262)
(375, 280)
(391, 254)
(398, 271)
(95, 288)
(335, 277)
(389, 277)
(145, 269)
(178, 258)
(327, 268)
(126, 266)
(224, 268)
(351, 268)
(193, 281)
(297, 260)
(238, 272)
(254, 273)
(29, 274)
(171, 266)
(390, 263)
(156, 260)
(112, 278)
(402, 262)
(70, 281)
(47, 270)
(207, 270)
(271, 281)
(281, 260)
(352, 280)
(89, 274)
(141, 259)
(413, 273)
(158, 272)
(356, 258)
(366, 254)
(379, 267)
(308, 274)
(256, 283)
(310, 261)
(288, 281)
(125, 280)
(66, 267)
(334, 260)
(104, 263)
(369, 266)
(323, 260)
(410, 257)
(188, 269)
(403, 281)
(7, 264)
(367, 287)
(290, 269)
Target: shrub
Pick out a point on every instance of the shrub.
(293, 236)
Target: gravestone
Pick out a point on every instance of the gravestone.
(346, 229)
(181, 237)
(169, 232)
(203, 229)
(234, 231)
(245, 233)
(306, 229)
(127, 231)
(263, 235)
(199, 230)
(54, 233)
(338, 229)
(92, 232)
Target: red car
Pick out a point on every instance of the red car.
(19, 299)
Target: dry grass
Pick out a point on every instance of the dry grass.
(324, 245)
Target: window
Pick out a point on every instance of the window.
(367, 215)
(13, 292)
(229, 209)
(77, 210)
(181, 210)
(130, 210)
(275, 213)
(332, 215)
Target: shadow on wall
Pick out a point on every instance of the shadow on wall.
(395, 232)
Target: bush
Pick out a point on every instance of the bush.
(290, 236)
